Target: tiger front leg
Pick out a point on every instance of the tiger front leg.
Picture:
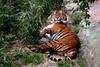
(36, 48)
(43, 46)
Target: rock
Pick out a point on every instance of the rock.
(70, 6)
(94, 11)
(90, 38)
(90, 44)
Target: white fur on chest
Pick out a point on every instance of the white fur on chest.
(49, 26)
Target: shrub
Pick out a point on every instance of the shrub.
(23, 18)
(5, 60)
(77, 17)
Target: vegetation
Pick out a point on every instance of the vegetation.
(19, 58)
(67, 63)
(80, 17)
(80, 61)
(5, 60)
(21, 20)
(77, 17)
(34, 58)
(84, 4)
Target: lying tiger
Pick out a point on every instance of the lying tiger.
(62, 40)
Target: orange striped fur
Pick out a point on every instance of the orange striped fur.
(62, 40)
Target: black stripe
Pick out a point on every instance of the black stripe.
(66, 50)
(59, 34)
(58, 42)
(66, 35)
(47, 45)
(60, 47)
(50, 31)
(62, 34)
(54, 43)
(50, 43)
(57, 47)
(61, 31)
(54, 36)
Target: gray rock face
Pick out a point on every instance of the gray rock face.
(90, 37)
(70, 6)
(90, 45)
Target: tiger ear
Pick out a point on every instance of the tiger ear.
(51, 13)
(66, 12)
(63, 11)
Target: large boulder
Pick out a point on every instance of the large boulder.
(90, 45)
(70, 6)
(90, 37)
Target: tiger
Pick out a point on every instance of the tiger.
(62, 41)
(58, 16)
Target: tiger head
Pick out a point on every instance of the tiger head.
(58, 16)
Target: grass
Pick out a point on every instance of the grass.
(34, 58)
(62, 64)
(66, 63)
(19, 58)
(80, 61)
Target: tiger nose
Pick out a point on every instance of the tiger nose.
(59, 18)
